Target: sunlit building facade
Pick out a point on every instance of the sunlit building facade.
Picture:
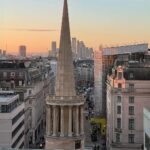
(127, 94)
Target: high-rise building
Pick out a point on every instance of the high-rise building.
(22, 51)
(74, 47)
(78, 49)
(53, 49)
(0, 52)
(64, 126)
(4, 52)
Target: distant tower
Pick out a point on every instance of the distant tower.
(22, 51)
(4, 52)
(54, 46)
(0, 52)
(65, 125)
(53, 49)
(74, 47)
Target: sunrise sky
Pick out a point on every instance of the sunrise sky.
(35, 23)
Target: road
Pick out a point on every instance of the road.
(88, 131)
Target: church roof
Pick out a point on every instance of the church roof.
(65, 82)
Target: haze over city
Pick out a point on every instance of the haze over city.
(108, 22)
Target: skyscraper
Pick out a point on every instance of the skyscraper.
(65, 129)
(53, 49)
(4, 52)
(74, 47)
(22, 51)
(53, 45)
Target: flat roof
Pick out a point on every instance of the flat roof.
(126, 49)
(7, 97)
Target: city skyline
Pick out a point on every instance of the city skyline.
(37, 23)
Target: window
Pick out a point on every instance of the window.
(20, 83)
(118, 109)
(30, 92)
(21, 146)
(4, 74)
(119, 85)
(15, 131)
(119, 99)
(20, 74)
(131, 138)
(77, 144)
(4, 108)
(131, 87)
(131, 99)
(18, 140)
(12, 74)
(119, 75)
(119, 123)
(131, 110)
(117, 137)
(147, 141)
(131, 75)
(131, 124)
(15, 119)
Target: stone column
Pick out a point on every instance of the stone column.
(77, 121)
(54, 121)
(62, 121)
(70, 122)
(81, 121)
(48, 120)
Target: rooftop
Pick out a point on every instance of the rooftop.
(8, 96)
(126, 49)
(139, 71)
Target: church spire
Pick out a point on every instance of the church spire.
(65, 83)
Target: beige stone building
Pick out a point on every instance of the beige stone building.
(128, 92)
(64, 121)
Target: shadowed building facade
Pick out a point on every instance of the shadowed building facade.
(65, 126)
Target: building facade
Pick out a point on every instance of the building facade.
(104, 60)
(146, 121)
(31, 80)
(53, 52)
(22, 51)
(12, 120)
(127, 94)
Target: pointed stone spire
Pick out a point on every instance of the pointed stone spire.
(65, 83)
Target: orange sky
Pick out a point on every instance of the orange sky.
(106, 22)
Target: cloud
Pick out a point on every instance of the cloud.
(29, 30)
